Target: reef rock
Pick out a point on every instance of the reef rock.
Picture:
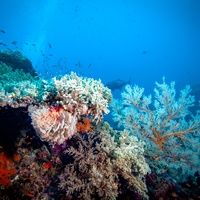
(16, 60)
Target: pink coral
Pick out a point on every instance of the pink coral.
(53, 124)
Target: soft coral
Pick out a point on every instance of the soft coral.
(84, 125)
(6, 170)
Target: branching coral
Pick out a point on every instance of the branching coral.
(170, 131)
(82, 96)
(74, 97)
(77, 95)
(99, 162)
(167, 118)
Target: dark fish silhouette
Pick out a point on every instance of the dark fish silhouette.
(14, 42)
(144, 52)
(198, 177)
(117, 84)
(1, 43)
(49, 45)
(2, 31)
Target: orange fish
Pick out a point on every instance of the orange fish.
(156, 157)
(47, 165)
(16, 158)
(164, 170)
(174, 194)
(29, 195)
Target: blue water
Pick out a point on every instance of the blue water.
(107, 39)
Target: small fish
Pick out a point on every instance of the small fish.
(156, 157)
(12, 95)
(144, 52)
(164, 170)
(174, 194)
(188, 185)
(33, 45)
(78, 64)
(16, 158)
(47, 165)
(14, 42)
(29, 195)
(49, 45)
(2, 31)
(31, 179)
(177, 124)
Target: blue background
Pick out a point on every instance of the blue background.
(107, 39)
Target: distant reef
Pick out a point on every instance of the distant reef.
(16, 60)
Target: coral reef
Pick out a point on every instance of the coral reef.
(167, 126)
(66, 150)
(17, 88)
(16, 60)
(100, 164)
(61, 102)
(82, 96)
(75, 97)
(53, 124)
(84, 126)
(91, 165)
(7, 170)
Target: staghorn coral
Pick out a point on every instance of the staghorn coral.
(52, 124)
(99, 162)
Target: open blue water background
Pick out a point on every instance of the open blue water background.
(107, 39)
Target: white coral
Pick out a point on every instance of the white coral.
(54, 125)
(81, 95)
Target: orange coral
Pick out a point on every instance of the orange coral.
(6, 170)
(84, 125)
